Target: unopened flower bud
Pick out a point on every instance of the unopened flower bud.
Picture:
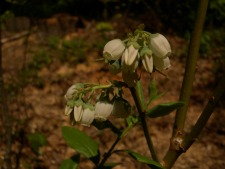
(114, 49)
(103, 110)
(160, 46)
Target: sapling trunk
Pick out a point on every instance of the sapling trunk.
(177, 138)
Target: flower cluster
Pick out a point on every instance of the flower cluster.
(82, 111)
(152, 50)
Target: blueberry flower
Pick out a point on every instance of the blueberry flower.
(114, 49)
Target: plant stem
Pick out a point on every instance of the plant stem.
(176, 148)
(119, 137)
(208, 110)
(190, 66)
(137, 93)
(108, 154)
(190, 138)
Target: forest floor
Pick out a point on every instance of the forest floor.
(38, 106)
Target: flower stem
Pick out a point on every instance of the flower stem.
(108, 154)
(119, 137)
(137, 93)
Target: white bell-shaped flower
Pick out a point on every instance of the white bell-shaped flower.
(161, 63)
(160, 46)
(114, 49)
(68, 110)
(147, 59)
(147, 62)
(131, 54)
(103, 110)
(72, 91)
(78, 112)
(133, 66)
(87, 117)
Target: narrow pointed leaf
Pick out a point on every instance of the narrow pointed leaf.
(81, 142)
(153, 92)
(109, 165)
(164, 109)
(143, 159)
(71, 163)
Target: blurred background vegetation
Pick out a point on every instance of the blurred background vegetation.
(174, 17)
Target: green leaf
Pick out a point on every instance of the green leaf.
(71, 163)
(153, 92)
(79, 141)
(36, 140)
(163, 109)
(143, 159)
(109, 165)
(132, 120)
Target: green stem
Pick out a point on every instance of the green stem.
(208, 110)
(190, 66)
(137, 93)
(176, 148)
(190, 138)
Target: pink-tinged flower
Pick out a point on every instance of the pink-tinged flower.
(114, 49)
(103, 110)
(160, 46)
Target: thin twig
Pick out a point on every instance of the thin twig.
(137, 94)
